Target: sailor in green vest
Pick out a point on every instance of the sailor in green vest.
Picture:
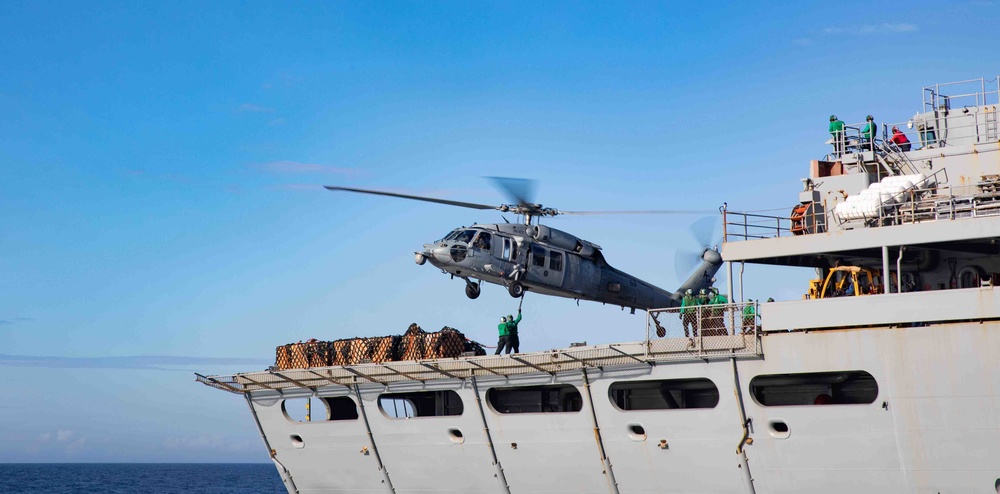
(714, 320)
(749, 316)
(868, 133)
(688, 303)
(504, 341)
(837, 133)
(718, 298)
(512, 337)
(700, 317)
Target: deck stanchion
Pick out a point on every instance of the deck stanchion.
(744, 463)
(501, 478)
(371, 440)
(608, 471)
(286, 476)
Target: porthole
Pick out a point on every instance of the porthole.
(636, 432)
(778, 429)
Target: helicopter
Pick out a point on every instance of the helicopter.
(531, 256)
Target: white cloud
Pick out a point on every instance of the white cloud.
(252, 108)
(63, 435)
(296, 167)
(802, 42)
(884, 28)
(13, 320)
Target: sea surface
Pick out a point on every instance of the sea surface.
(165, 478)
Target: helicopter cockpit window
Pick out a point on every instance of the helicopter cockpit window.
(537, 256)
(555, 261)
(506, 249)
(465, 236)
(452, 235)
(483, 241)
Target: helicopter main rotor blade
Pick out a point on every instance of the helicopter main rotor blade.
(654, 211)
(461, 204)
(520, 190)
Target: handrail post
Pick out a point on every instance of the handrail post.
(725, 224)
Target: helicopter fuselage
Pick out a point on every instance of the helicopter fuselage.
(540, 259)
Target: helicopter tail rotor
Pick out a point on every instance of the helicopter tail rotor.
(706, 235)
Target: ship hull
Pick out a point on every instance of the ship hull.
(933, 426)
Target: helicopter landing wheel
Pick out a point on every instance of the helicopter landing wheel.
(516, 289)
(472, 291)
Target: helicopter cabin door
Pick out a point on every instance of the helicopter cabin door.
(546, 266)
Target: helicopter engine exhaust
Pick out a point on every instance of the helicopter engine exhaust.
(561, 239)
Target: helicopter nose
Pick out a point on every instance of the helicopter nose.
(438, 252)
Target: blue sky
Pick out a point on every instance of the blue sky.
(161, 169)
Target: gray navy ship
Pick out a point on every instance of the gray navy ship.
(884, 377)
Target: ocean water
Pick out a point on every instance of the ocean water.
(159, 478)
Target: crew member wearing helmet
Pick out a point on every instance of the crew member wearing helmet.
(512, 337)
(713, 324)
(749, 316)
(837, 132)
(869, 132)
(688, 317)
(504, 341)
(898, 138)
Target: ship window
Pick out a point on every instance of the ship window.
(535, 399)
(420, 404)
(664, 394)
(537, 256)
(305, 410)
(814, 388)
(555, 261)
(341, 408)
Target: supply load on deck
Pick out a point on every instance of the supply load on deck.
(415, 344)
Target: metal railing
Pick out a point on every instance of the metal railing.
(751, 226)
(703, 331)
(972, 92)
(982, 126)
(716, 331)
(892, 211)
(893, 158)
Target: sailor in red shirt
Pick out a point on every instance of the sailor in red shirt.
(899, 139)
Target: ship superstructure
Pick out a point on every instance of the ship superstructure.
(882, 378)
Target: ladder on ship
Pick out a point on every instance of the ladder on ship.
(893, 160)
(991, 124)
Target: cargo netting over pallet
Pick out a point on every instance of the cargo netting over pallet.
(415, 344)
